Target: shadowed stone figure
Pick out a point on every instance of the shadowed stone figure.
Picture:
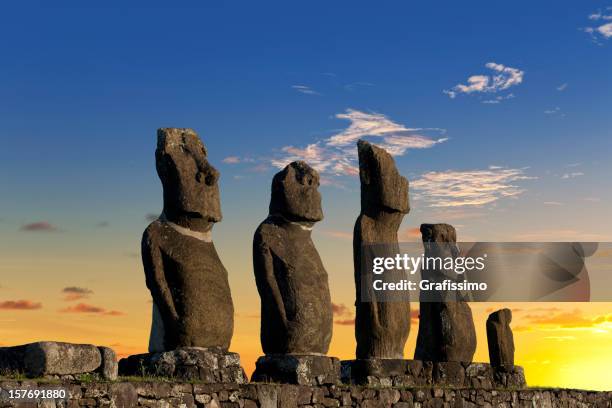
(192, 303)
(296, 311)
(381, 328)
(500, 339)
(446, 326)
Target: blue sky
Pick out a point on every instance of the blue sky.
(84, 90)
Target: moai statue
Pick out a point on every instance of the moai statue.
(382, 320)
(192, 302)
(381, 328)
(500, 339)
(296, 310)
(446, 326)
(183, 271)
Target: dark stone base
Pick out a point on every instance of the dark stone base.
(415, 373)
(206, 365)
(297, 369)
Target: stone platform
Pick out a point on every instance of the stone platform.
(152, 394)
(411, 373)
(52, 359)
(297, 369)
(206, 365)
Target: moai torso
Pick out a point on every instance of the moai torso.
(296, 313)
(189, 285)
(381, 328)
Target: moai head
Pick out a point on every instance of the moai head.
(440, 240)
(438, 233)
(189, 181)
(295, 193)
(382, 187)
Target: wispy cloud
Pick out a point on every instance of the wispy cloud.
(553, 203)
(572, 175)
(498, 99)
(90, 309)
(20, 305)
(75, 293)
(356, 85)
(305, 89)
(602, 28)
(574, 320)
(39, 226)
(556, 111)
(468, 188)
(337, 155)
(231, 160)
(559, 235)
(562, 87)
(502, 78)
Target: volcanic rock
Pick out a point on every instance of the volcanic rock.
(500, 339)
(296, 311)
(381, 328)
(187, 280)
(446, 328)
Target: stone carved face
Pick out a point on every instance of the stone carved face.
(440, 239)
(190, 183)
(295, 193)
(382, 187)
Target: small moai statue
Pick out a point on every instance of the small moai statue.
(446, 325)
(500, 339)
(381, 328)
(192, 303)
(296, 309)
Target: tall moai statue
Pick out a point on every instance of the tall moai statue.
(296, 309)
(381, 328)
(192, 303)
(446, 326)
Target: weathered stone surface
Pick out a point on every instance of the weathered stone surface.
(296, 311)
(57, 359)
(183, 271)
(297, 369)
(169, 394)
(415, 373)
(446, 328)
(386, 372)
(109, 366)
(381, 328)
(500, 338)
(207, 365)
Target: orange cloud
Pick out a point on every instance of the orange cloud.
(410, 234)
(339, 234)
(20, 305)
(345, 322)
(76, 293)
(569, 320)
(40, 226)
(90, 309)
(339, 309)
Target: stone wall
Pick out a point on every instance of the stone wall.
(185, 395)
